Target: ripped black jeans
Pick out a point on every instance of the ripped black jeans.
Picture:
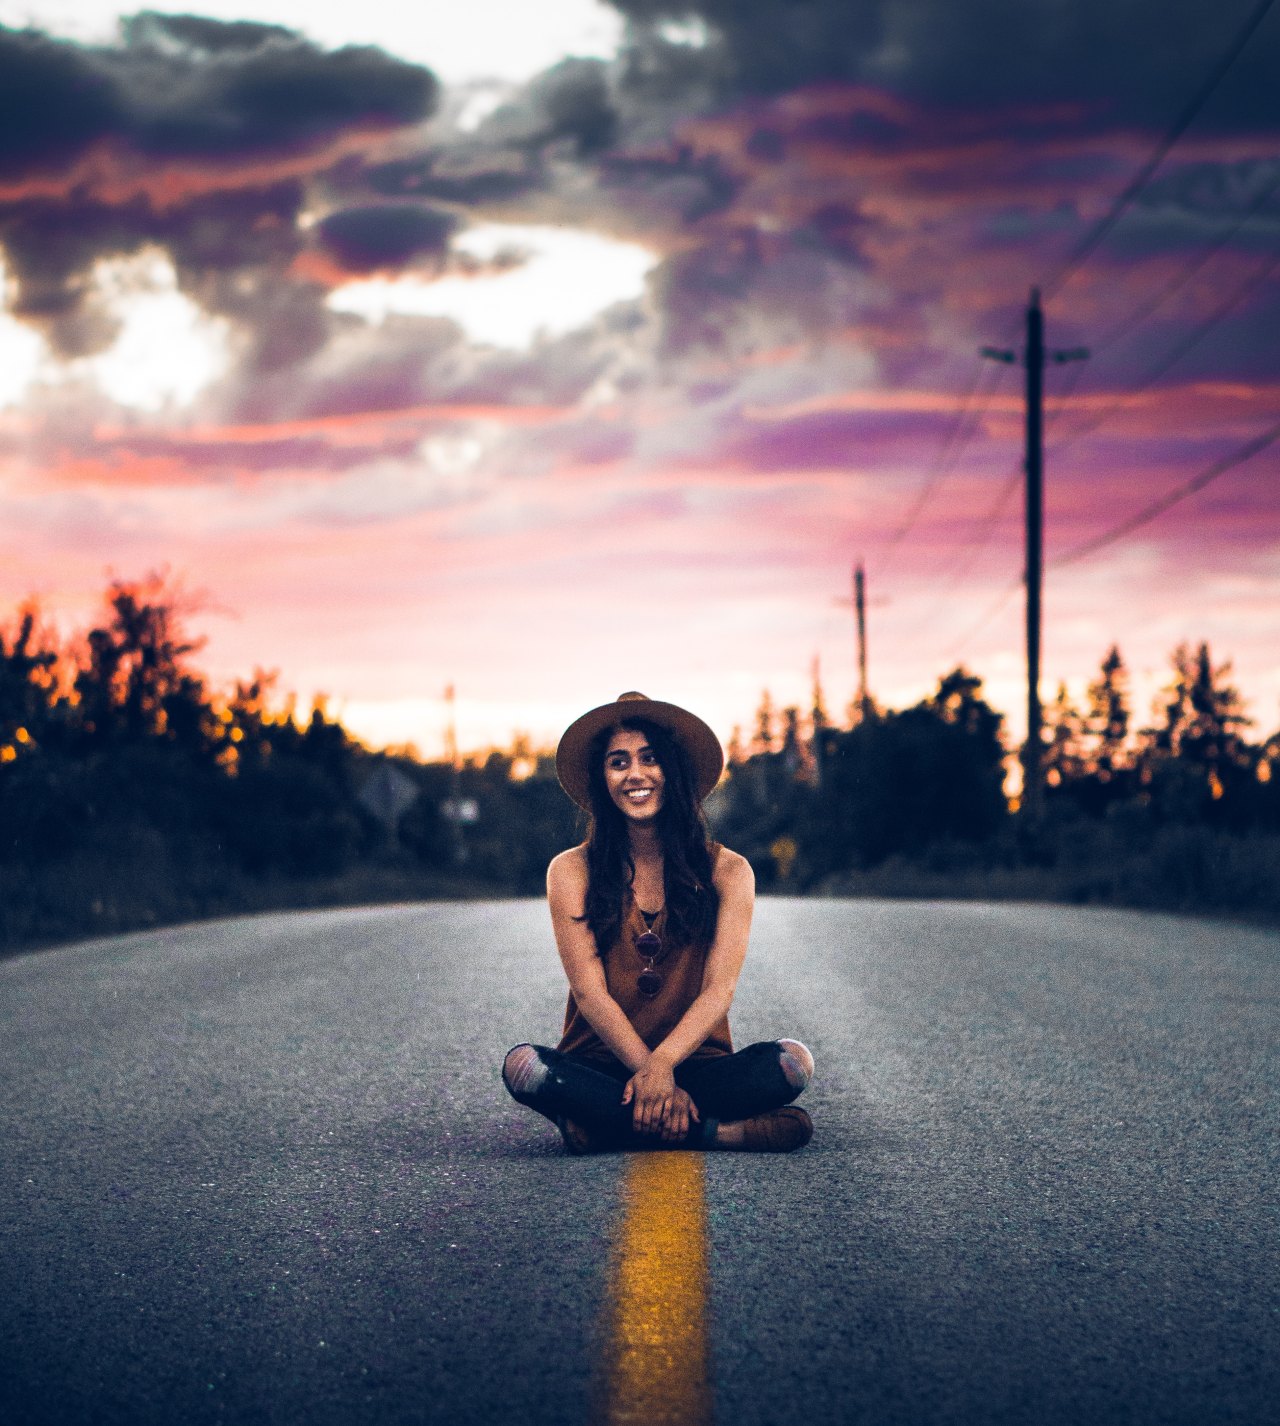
(756, 1079)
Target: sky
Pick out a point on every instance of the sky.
(552, 351)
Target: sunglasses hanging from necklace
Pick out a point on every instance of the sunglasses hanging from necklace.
(649, 944)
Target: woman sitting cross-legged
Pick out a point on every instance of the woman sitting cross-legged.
(651, 919)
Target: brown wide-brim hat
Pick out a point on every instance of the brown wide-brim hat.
(693, 735)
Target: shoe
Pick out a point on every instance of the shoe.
(576, 1139)
(778, 1132)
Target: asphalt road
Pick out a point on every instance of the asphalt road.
(264, 1170)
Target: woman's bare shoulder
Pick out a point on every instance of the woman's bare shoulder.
(567, 873)
(733, 872)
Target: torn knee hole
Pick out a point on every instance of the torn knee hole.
(523, 1070)
(796, 1062)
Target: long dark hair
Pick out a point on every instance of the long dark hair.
(691, 899)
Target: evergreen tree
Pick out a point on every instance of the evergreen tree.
(958, 703)
(818, 703)
(134, 682)
(1194, 764)
(898, 782)
(28, 685)
(818, 723)
(1107, 719)
(763, 740)
(791, 733)
(1268, 782)
(1064, 757)
(248, 732)
(1203, 714)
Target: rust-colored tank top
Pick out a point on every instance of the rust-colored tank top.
(654, 1018)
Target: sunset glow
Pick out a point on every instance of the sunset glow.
(559, 281)
(548, 365)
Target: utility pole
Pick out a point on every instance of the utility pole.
(860, 611)
(454, 805)
(818, 722)
(862, 705)
(1033, 359)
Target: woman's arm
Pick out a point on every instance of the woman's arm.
(566, 895)
(659, 1105)
(736, 883)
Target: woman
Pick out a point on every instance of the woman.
(651, 921)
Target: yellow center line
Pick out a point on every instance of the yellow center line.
(657, 1354)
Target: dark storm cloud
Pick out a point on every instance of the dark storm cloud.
(814, 168)
(850, 138)
(228, 248)
(564, 117)
(1133, 63)
(571, 103)
(366, 239)
(196, 33)
(188, 88)
(51, 241)
(54, 103)
(216, 103)
(275, 96)
(408, 362)
(688, 185)
(569, 106)
(478, 183)
(1192, 200)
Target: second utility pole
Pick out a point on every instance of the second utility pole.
(1033, 358)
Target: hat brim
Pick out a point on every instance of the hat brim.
(705, 753)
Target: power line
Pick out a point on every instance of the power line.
(1181, 123)
(959, 646)
(1077, 257)
(951, 450)
(989, 523)
(1035, 357)
(1174, 355)
(1170, 499)
(1062, 397)
(1126, 326)
(986, 526)
(954, 445)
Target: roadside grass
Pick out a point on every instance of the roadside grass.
(1189, 870)
(140, 878)
(85, 895)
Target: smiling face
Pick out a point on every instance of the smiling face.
(633, 775)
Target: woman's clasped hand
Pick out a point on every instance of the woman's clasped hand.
(659, 1105)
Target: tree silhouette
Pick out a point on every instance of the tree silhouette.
(1194, 762)
(818, 705)
(135, 682)
(129, 792)
(795, 752)
(893, 784)
(1064, 757)
(957, 702)
(1203, 715)
(1107, 719)
(244, 724)
(762, 741)
(28, 685)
